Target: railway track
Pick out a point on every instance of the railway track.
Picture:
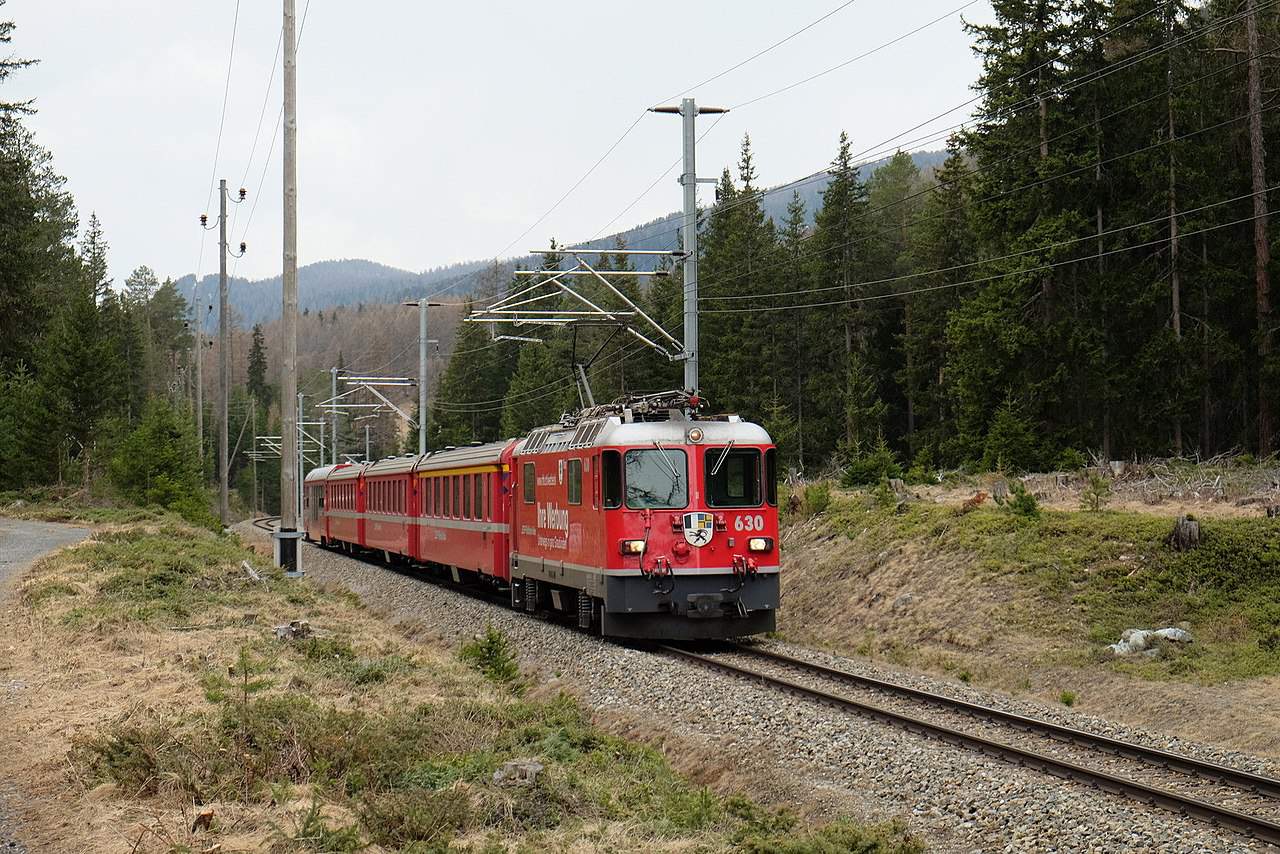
(266, 523)
(1263, 789)
(1262, 828)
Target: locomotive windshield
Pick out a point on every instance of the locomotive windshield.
(732, 477)
(657, 479)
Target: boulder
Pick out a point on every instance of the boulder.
(1174, 634)
(518, 772)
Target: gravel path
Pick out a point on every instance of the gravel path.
(957, 800)
(21, 543)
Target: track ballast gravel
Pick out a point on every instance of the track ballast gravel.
(956, 799)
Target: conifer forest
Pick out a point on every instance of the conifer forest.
(1087, 271)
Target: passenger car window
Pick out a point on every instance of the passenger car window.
(657, 478)
(575, 481)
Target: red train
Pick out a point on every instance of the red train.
(643, 518)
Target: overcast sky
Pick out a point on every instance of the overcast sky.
(432, 132)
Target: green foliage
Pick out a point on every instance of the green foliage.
(158, 465)
(922, 468)
(1071, 460)
(419, 820)
(1067, 698)
(1021, 502)
(491, 654)
(1096, 494)
(1104, 572)
(817, 497)
(869, 464)
(312, 833)
(1010, 444)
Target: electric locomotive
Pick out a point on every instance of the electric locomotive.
(642, 518)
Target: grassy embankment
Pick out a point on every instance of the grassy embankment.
(1052, 587)
(156, 690)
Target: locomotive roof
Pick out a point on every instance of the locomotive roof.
(612, 431)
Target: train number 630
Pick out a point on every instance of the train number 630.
(748, 523)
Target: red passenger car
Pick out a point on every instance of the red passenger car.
(643, 519)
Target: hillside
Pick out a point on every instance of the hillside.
(352, 282)
(1029, 603)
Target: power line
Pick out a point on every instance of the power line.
(1004, 113)
(996, 276)
(1030, 185)
(881, 149)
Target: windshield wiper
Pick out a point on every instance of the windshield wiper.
(671, 467)
(724, 456)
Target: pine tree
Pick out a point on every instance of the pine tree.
(257, 381)
(93, 252)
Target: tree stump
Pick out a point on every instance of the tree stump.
(1000, 491)
(1273, 511)
(1185, 534)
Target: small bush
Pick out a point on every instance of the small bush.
(869, 465)
(922, 468)
(326, 649)
(1071, 460)
(1096, 494)
(1020, 502)
(1011, 441)
(965, 676)
(426, 820)
(1067, 698)
(817, 497)
(311, 833)
(491, 655)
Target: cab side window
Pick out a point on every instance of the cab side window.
(575, 481)
(530, 483)
(611, 462)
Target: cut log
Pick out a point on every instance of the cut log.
(1185, 534)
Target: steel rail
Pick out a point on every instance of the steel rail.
(1255, 783)
(1259, 828)
(265, 522)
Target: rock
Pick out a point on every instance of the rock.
(295, 630)
(1177, 635)
(518, 772)
(902, 602)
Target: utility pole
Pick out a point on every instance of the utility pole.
(301, 457)
(290, 465)
(366, 443)
(422, 304)
(199, 348)
(333, 415)
(253, 414)
(689, 111)
(224, 361)
(422, 375)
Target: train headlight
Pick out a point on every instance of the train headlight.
(760, 544)
(631, 547)
(695, 435)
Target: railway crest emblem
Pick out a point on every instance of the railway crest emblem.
(699, 528)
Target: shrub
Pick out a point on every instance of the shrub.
(312, 833)
(817, 497)
(1096, 494)
(1020, 502)
(1011, 443)
(868, 466)
(159, 464)
(1067, 698)
(1071, 460)
(424, 819)
(491, 655)
(922, 468)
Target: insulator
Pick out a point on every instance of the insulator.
(242, 247)
(204, 219)
(242, 194)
